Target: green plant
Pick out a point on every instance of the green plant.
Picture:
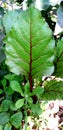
(14, 109)
(31, 60)
(31, 53)
(36, 54)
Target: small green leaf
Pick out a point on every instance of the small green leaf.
(9, 91)
(19, 103)
(13, 107)
(38, 91)
(30, 100)
(4, 83)
(5, 105)
(16, 86)
(16, 119)
(7, 127)
(9, 76)
(27, 88)
(36, 109)
(4, 118)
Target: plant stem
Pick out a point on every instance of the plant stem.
(30, 81)
(26, 116)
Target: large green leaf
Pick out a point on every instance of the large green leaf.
(59, 60)
(29, 45)
(53, 90)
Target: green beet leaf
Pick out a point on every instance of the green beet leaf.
(53, 90)
(29, 45)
